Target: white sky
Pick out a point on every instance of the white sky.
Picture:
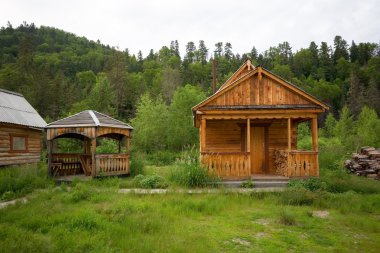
(146, 24)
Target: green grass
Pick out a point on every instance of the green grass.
(92, 217)
(89, 219)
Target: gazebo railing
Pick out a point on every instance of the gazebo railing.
(66, 164)
(111, 164)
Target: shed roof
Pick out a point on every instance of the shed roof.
(88, 118)
(15, 109)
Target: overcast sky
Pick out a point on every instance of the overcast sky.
(146, 24)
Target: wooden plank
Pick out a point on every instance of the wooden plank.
(289, 134)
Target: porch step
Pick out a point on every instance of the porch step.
(257, 183)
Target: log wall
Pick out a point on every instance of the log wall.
(34, 144)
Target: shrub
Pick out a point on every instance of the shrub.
(287, 218)
(297, 197)
(191, 175)
(311, 184)
(20, 180)
(150, 181)
(80, 192)
(247, 184)
(163, 157)
(137, 166)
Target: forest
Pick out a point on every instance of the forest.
(60, 74)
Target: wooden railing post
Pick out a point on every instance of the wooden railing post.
(203, 135)
(289, 134)
(248, 148)
(93, 152)
(314, 132)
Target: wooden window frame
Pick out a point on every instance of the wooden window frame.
(11, 136)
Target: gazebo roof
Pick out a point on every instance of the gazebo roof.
(89, 118)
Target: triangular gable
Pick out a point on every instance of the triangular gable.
(243, 70)
(260, 87)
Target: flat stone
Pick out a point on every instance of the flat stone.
(13, 202)
(321, 214)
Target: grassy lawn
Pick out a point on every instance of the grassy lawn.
(93, 217)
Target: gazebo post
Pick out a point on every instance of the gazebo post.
(50, 150)
(126, 144)
(93, 152)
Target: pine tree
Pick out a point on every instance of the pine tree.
(202, 52)
(355, 99)
(340, 49)
(354, 52)
(253, 54)
(190, 52)
(228, 51)
(373, 96)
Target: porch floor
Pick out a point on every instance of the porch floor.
(268, 177)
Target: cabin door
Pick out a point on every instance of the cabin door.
(258, 147)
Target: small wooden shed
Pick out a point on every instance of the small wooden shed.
(250, 119)
(21, 129)
(88, 126)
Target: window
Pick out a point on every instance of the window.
(19, 143)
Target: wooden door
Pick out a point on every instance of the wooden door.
(258, 150)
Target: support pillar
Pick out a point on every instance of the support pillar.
(203, 135)
(248, 148)
(93, 162)
(289, 134)
(50, 150)
(314, 132)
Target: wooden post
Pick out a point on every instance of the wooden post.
(93, 152)
(314, 132)
(50, 150)
(248, 148)
(203, 135)
(289, 134)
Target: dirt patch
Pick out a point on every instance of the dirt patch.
(264, 222)
(320, 214)
(260, 235)
(241, 242)
(12, 202)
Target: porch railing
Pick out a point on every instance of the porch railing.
(302, 163)
(112, 164)
(227, 164)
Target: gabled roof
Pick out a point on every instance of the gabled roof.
(89, 118)
(245, 68)
(260, 70)
(15, 109)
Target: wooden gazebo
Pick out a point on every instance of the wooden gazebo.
(88, 126)
(252, 118)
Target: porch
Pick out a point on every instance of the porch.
(233, 151)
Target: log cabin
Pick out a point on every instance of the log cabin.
(88, 126)
(248, 128)
(21, 130)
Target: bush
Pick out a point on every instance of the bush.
(17, 181)
(191, 175)
(80, 192)
(150, 181)
(247, 184)
(297, 197)
(287, 218)
(137, 166)
(311, 184)
(161, 158)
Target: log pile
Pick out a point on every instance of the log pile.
(366, 163)
(280, 162)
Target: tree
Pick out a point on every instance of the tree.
(101, 97)
(303, 62)
(183, 133)
(174, 48)
(218, 49)
(354, 52)
(228, 51)
(340, 49)
(150, 124)
(373, 96)
(368, 128)
(355, 99)
(202, 52)
(326, 63)
(344, 128)
(253, 54)
(330, 125)
(190, 52)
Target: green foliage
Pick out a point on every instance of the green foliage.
(191, 175)
(297, 196)
(247, 184)
(137, 166)
(287, 218)
(80, 192)
(368, 128)
(150, 124)
(311, 184)
(16, 181)
(150, 181)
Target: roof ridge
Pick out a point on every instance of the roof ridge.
(245, 64)
(111, 117)
(94, 118)
(11, 92)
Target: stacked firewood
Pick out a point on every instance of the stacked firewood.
(366, 163)
(280, 161)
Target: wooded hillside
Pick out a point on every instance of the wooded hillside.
(61, 73)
